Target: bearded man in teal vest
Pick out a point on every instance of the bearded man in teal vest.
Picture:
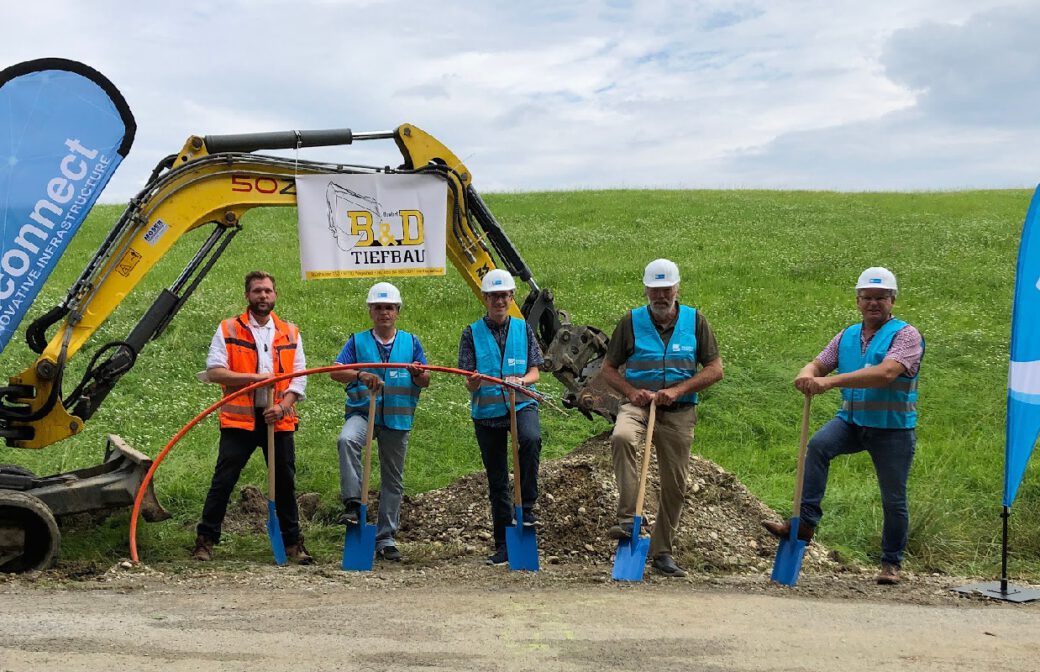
(878, 362)
(397, 394)
(669, 353)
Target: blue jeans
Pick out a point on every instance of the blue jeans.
(393, 447)
(498, 458)
(892, 451)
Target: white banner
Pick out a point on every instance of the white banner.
(371, 225)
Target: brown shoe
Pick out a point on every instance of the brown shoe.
(783, 530)
(203, 551)
(889, 575)
(298, 553)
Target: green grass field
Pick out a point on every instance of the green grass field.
(772, 271)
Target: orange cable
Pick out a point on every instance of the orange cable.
(135, 513)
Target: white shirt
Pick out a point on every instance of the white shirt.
(263, 335)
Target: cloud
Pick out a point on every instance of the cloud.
(556, 95)
(982, 73)
(971, 123)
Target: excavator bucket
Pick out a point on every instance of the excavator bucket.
(109, 486)
(30, 505)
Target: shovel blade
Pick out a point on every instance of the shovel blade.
(274, 533)
(522, 545)
(359, 544)
(630, 557)
(789, 554)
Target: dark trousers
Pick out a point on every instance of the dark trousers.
(236, 447)
(498, 460)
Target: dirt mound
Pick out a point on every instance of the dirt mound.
(720, 529)
(249, 514)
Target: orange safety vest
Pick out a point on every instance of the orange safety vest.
(242, 358)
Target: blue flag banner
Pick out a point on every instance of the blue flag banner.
(64, 129)
(1023, 406)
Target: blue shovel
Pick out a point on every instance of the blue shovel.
(274, 529)
(630, 557)
(791, 550)
(521, 542)
(359, 544)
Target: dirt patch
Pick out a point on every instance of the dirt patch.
(720, 529)
(248, 514)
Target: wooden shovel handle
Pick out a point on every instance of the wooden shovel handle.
(368, 445)
(646, 457)
(513, 435)
(800, 477)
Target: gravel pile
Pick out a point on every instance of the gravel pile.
(720, 529)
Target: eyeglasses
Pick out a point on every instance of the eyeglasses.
(499, 296)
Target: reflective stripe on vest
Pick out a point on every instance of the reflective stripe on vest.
(891, 407)
(396, 403)
(653, 366)
(490, 400)
(239, 413)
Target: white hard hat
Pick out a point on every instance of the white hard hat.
(877, 277)
(497, 281)
(384, 292)
(661, 273)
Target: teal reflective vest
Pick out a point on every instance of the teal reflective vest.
(892, 407)
(395, 405)
(653, 366)
(491, 400)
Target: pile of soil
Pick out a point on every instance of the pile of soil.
(248, 515)
(720, 529)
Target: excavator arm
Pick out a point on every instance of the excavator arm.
(213, 181)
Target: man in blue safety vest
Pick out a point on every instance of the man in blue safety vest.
(670, 354)
(397, 393)
(505, 347)
(878, 362)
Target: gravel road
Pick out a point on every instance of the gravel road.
(466, 616)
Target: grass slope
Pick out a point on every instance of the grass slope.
(772, 271)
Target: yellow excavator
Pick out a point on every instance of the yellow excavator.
(213, 181)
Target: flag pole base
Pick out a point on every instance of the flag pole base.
(993, 591)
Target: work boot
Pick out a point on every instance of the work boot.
(889, 575)
(203, 551)
(351, 514)
(665, 564)
(783, 530)
(389, 553)
(298, 553)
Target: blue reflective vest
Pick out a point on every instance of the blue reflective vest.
(395, 405)
(892, 407)
(491, 400)
(653, 366)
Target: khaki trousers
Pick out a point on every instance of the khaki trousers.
(673, 436)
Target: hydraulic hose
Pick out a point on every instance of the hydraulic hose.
(139, 498)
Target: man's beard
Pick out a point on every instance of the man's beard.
(662, 313)
(255, 309)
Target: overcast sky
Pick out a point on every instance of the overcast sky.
(533, 95)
